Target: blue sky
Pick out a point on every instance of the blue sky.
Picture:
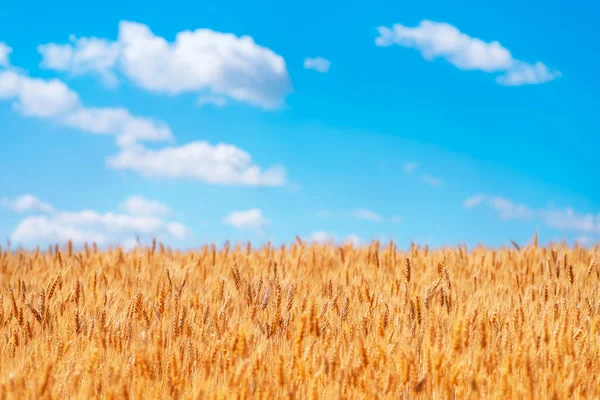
(425, 121)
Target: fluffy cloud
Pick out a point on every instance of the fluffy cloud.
(139, 205)
(37, 97)
(52, 99)
(442, 40)
(367, 215)
(318, 64)
(82, 56)
(86, 226)
(523, 74)
(197, 61)
(5, 51)
(26, 203)
(119, 122)
(559, 219)
(250, 220)
(221, 164)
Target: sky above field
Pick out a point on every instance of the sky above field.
(200, 122)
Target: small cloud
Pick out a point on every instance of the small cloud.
(410, 166)
(368, 215)
(442, 40)
(505, 208)
(474, 201)
(26, 203)
(559, 219)
(432, 180)
(318, 64)
(250, 220)
(526, 74)
(138, 205)
(178, 230)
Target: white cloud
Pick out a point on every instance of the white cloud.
(119, 122)
(83, 56)
(368, 215)
(251, 220)
(432, 180)
(86, 226)
(26, 203)
(410, 166)
(217, 101)
(197, 61)
(568, 219)
(435, 39)
(5, 51)
(318, 64)
(474, 201)
(52, 99)
(178, 230)
(139, 205)
(37, 97)
(523, 73)
(221, 164)
(41, 229)
(559, 219)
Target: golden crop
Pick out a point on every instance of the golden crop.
(318, 321)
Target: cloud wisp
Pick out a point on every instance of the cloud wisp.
(25, 204)
(442, 40)
(410, 167)
(586, 225)
(318, 64)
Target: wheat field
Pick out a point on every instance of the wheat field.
(302, 321)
